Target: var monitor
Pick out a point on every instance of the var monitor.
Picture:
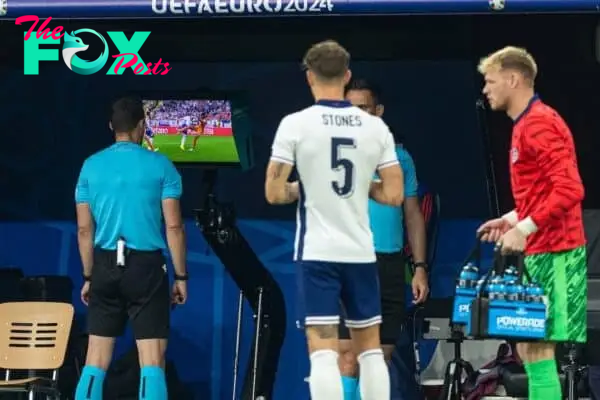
(192, 131)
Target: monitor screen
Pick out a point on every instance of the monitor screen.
(191, 130)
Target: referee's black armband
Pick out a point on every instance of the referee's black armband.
(181, 277)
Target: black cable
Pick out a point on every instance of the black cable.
(490, 176)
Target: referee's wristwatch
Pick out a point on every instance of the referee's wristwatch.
(182, 278)
(421, 264)
(87, 278)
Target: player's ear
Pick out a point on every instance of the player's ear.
(347, 77)
(513, 80)
(379, 108)
(140, 124)
(309, 78)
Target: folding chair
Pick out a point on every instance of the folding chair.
(34, 337)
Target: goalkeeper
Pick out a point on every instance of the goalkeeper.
(547, 221)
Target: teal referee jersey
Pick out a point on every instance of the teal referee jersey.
(124, 186)
(387, 222)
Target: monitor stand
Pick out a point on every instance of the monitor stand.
(257, 286)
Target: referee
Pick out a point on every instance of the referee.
(120, 194)
(387, 225)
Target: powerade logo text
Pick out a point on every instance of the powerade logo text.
(464, 308)
(520, 322)
(73, 44)
(517, 322)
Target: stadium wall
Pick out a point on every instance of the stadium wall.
(439, 131)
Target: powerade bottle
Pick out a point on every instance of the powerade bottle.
(529, 293)
(519, 297)
(501, 293)
(519, 292)
(510, 274)
(511, 290)
(493, 288)
(536, 311)
(468, 276)
(535, 293)
(465, 293)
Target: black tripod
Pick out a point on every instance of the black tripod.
(573, 372)
(454, 370)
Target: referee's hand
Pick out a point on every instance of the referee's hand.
(85, 293)
(179, 292)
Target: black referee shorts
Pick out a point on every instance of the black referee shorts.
(138, 292)
(392, 268)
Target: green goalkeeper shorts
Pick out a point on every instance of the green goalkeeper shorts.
(563, 277)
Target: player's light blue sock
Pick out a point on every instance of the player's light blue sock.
(153, 384)
(350, 387)
(90, 384)
(357, 394)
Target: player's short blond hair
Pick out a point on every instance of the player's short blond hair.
(510, 57)
(328, 60)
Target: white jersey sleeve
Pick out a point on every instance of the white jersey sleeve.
(284, 145)
(388, 152)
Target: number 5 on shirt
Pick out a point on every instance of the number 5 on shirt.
(339, 163)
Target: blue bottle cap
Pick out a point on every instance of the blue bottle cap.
(519, 288)
(501, 288)
(537, 291)
(534, 290)
(471, 276)
(510, 287)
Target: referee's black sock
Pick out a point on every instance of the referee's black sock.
(153, 384)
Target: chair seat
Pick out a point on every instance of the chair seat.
(26, 384)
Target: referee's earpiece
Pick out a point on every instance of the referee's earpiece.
(110, 125)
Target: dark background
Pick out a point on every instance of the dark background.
(426, 65)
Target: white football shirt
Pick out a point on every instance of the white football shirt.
(336, 149)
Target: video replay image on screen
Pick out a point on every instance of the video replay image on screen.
(191, 131)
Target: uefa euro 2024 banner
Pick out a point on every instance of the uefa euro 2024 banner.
(12, 9)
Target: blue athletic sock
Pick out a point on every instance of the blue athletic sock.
(153, 385)
(90, 384)
(357, 394)
(349, 383)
